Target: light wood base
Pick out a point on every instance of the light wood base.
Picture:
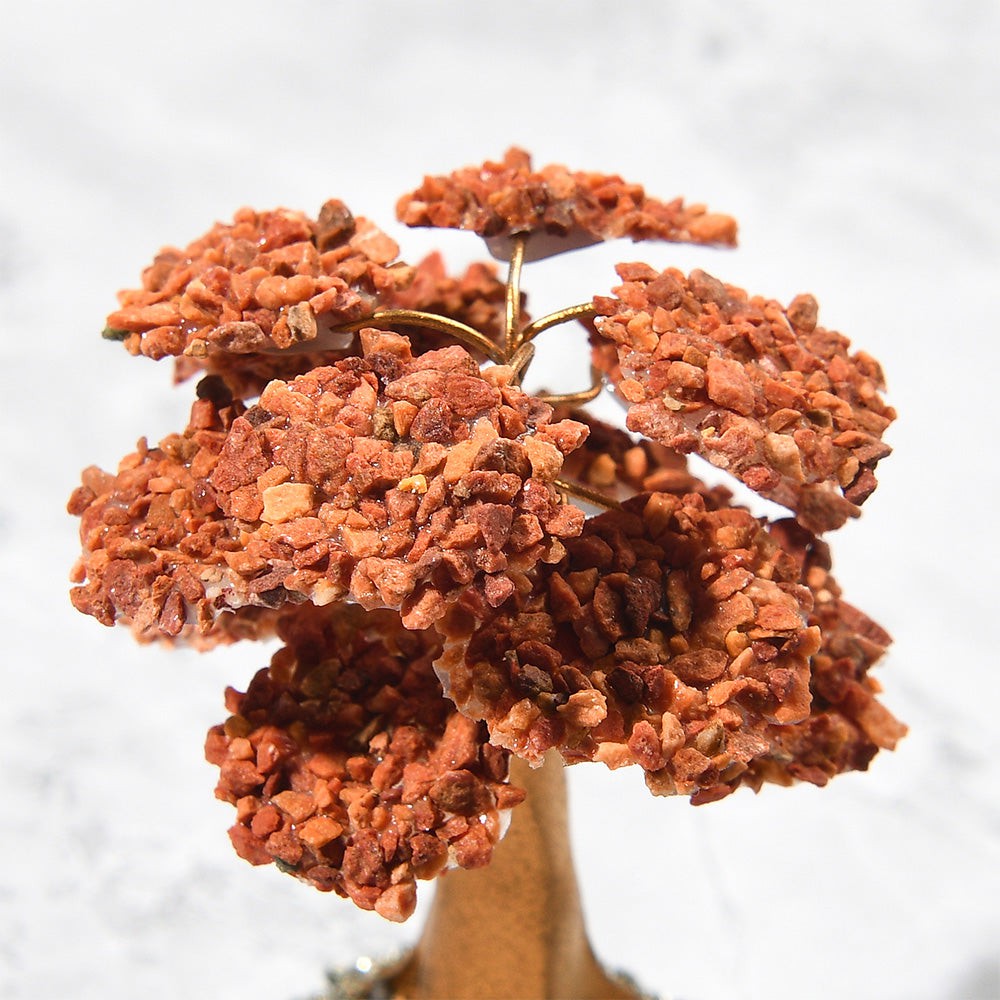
(513, 930)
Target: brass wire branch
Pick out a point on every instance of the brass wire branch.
(576, 398)
(520, 360)
(584, 310)
(518, 350)
(512, 317)
(586, 494)
(429, 321)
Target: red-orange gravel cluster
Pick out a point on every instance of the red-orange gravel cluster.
(380, 493)
(263, 282)
(669, 636)
(350, 769)
(476, 298)
(616, 466)
(759, 390)
(508, 198)
(847, 725)
(394, 481)
(152, 532)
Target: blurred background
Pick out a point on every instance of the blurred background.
(857, 143)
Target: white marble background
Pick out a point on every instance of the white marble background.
(858, 144)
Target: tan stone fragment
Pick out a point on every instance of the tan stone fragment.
(546, 460)
(287, 501)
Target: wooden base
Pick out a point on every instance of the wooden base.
(514, 929)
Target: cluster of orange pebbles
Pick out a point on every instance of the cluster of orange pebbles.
(364, 485)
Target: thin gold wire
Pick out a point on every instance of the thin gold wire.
(584, 493)
(430, 321)
(521, 359)
(512, 316)
(573, 398)
(532, 330)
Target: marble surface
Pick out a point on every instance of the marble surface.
(857, 143)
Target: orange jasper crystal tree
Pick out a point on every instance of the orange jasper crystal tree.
(463, 574)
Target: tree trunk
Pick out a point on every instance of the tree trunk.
(514, 929)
